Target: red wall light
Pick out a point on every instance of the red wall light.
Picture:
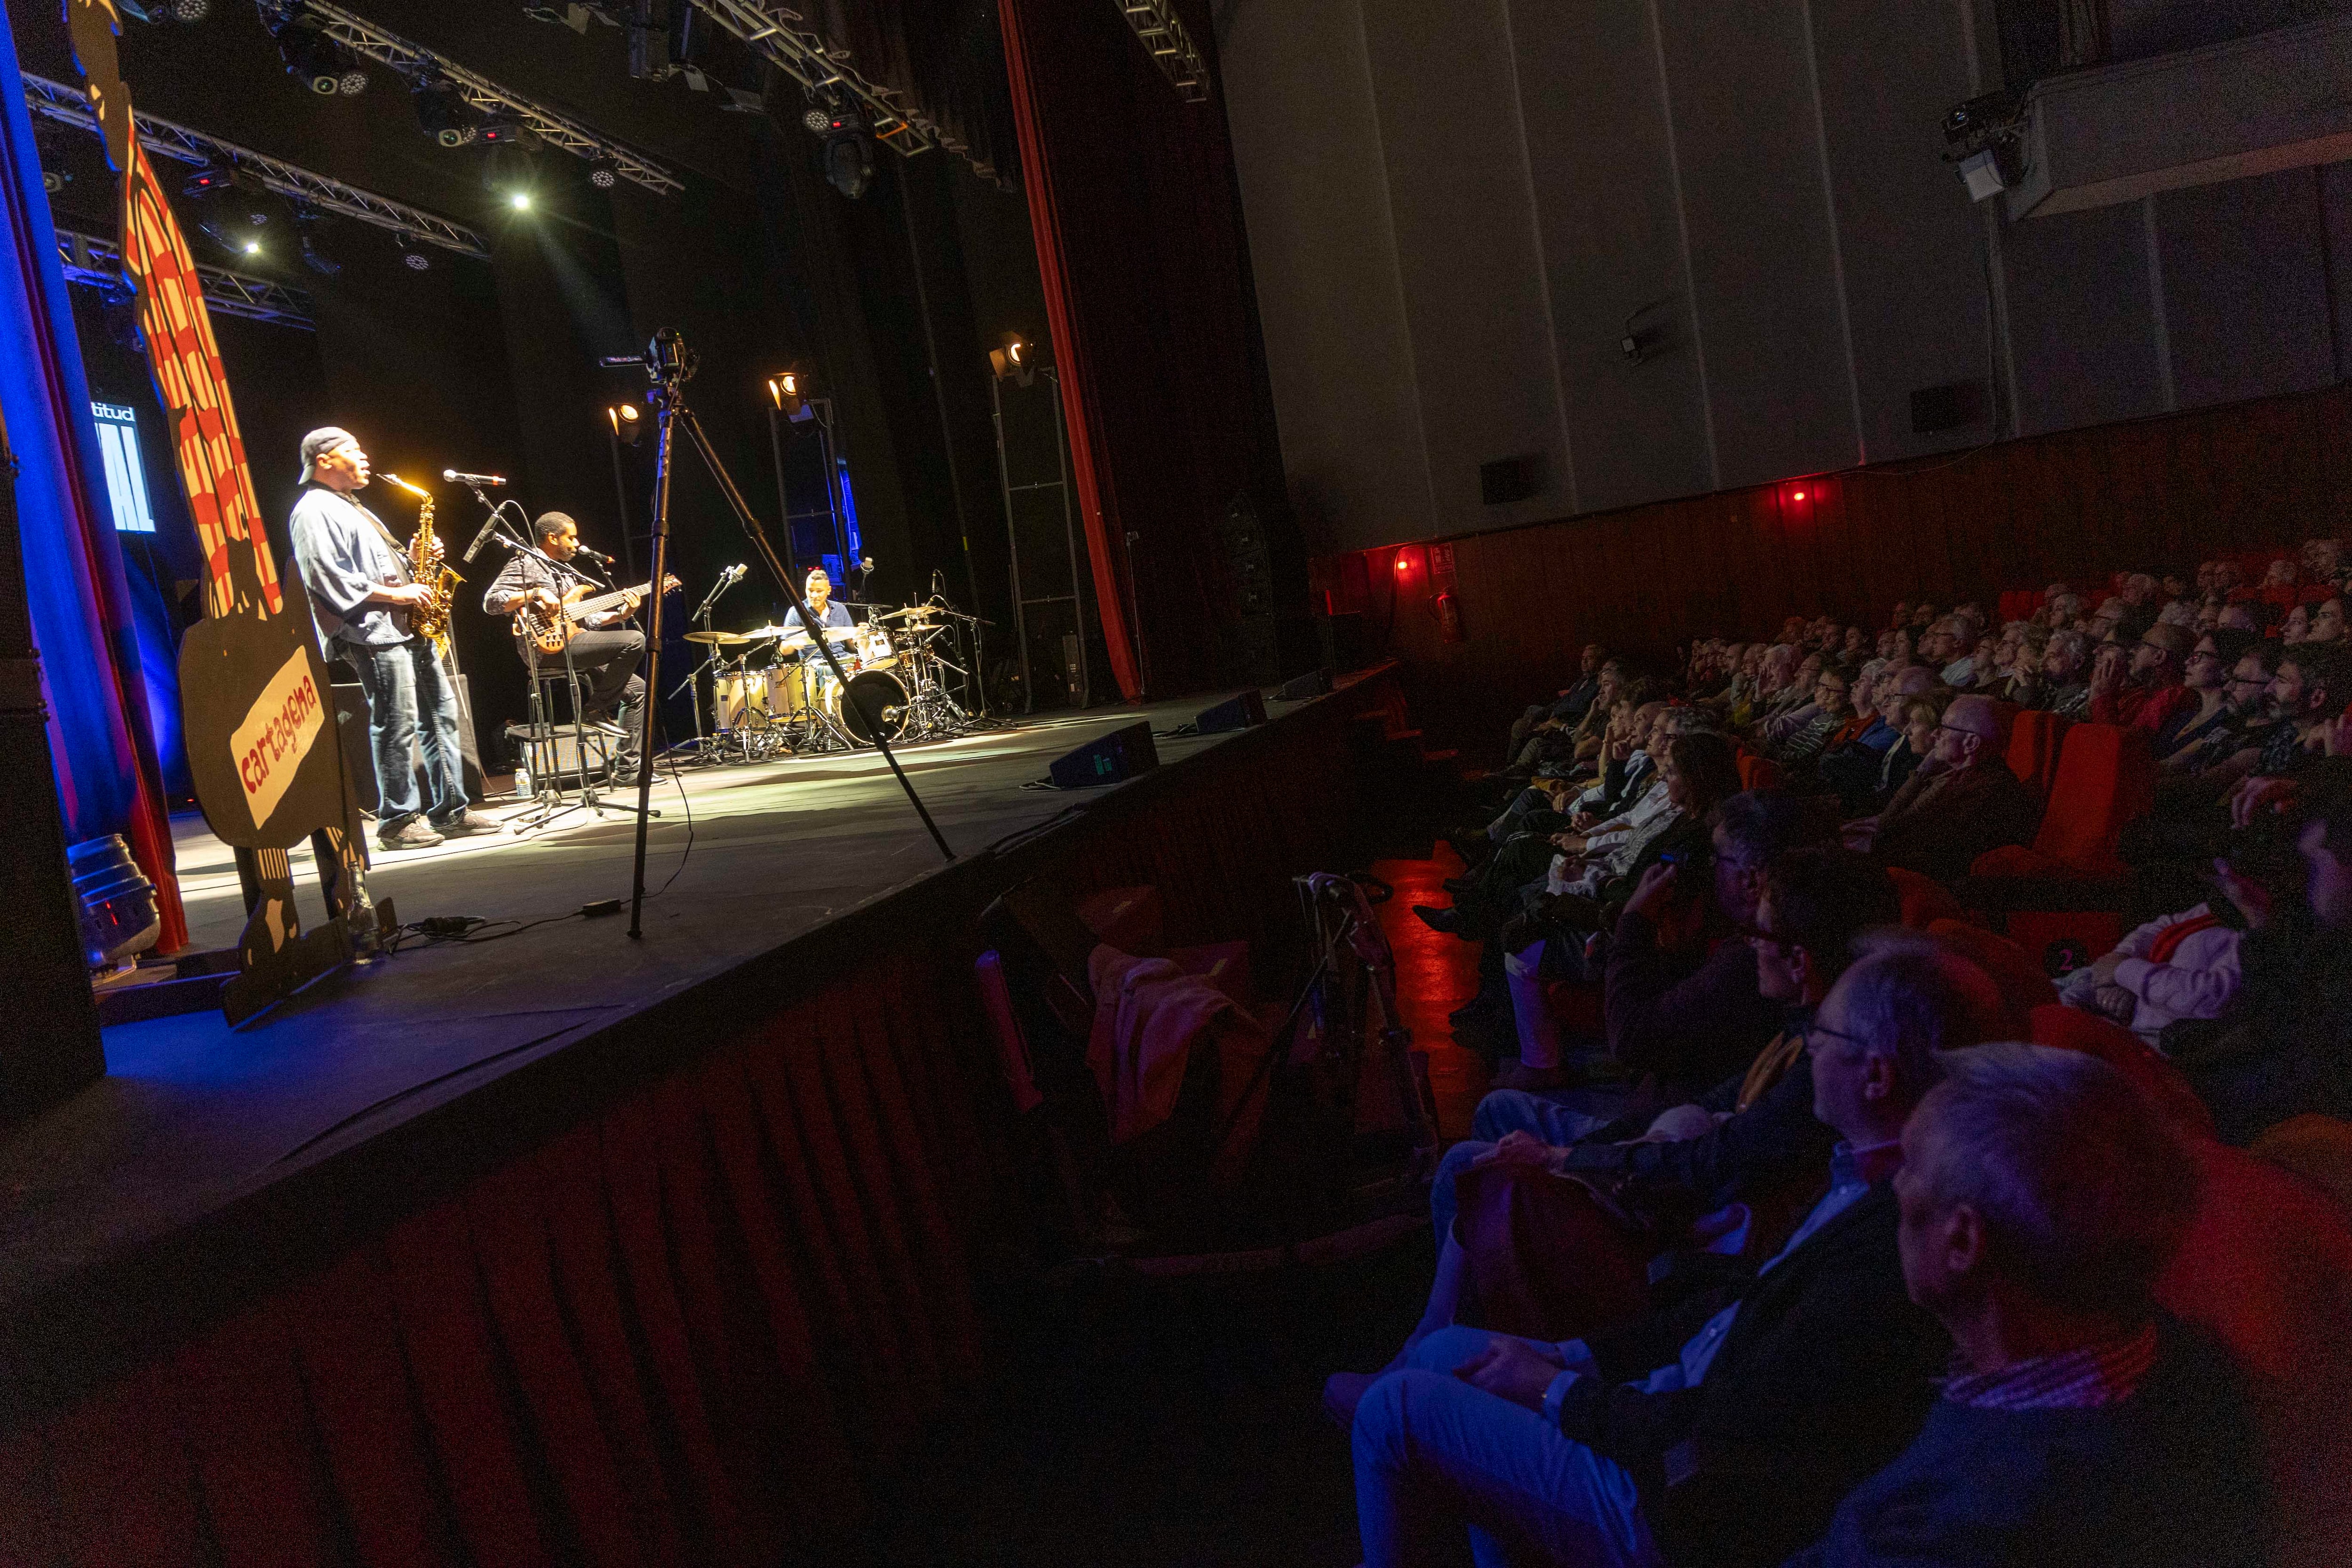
(1796, 495)
(1403, 563)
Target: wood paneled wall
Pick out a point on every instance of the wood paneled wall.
(2075, 506)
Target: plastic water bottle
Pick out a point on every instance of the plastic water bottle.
(523, 782)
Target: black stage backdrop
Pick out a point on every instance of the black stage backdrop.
(490, 366)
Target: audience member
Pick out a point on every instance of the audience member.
(1730, 1444)
(1961, 801)
(2040, 1196)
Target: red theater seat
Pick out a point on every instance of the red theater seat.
(2317, 1148)
(2034, 741)
(2023, 986)
(1759, 772)
(2070, 1028)
(1925, 899)
(2070, 883)
(2266, 1270)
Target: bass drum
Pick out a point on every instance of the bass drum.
(873, 702)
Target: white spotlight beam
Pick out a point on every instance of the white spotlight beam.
(54, 101)
(1163, 32)
(367, 40)
(98, 263)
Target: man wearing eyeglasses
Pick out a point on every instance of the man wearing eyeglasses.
(1962, 801)
(1733, 1445)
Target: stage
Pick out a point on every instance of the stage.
(210, 1165)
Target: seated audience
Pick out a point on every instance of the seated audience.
(1726, 1438)
(2144, 691)
(2039, 1197)
(2176, 966)
(1962, 801)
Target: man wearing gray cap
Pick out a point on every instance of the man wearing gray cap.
(361, 596)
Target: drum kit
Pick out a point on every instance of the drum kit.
(772, 693)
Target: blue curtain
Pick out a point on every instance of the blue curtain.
(83, 620)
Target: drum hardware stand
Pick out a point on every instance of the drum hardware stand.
(668, 365)
(710, 750)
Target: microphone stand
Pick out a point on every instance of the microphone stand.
(667, 364)
(702, 747)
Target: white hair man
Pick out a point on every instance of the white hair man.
(2039, 1197)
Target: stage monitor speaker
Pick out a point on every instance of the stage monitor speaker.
(1122, 754)
(1242, 711)
(1313, 683)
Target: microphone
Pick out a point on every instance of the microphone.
(598, 556)
(489, 527)
(454, 477)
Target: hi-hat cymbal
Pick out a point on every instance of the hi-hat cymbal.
(719, 639)
(912, 613)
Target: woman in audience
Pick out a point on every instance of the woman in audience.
(2296, 627)
(2191, 729)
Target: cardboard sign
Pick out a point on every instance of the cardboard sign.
(279, 731)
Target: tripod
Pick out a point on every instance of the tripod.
(669, 364)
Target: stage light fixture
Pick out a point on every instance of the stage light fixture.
(318, 62)
(604, 173)
(788, 388)
(1016, 358)
(411, 258)
(627, 423)
(307, 221)
(848, 152)
(518, 200)
(818, 121)
(252, 248)
(441, 113)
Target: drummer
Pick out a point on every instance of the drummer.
(818, 591)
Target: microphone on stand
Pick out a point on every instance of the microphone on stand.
(598, 556)
(454, 477)
(489, 527)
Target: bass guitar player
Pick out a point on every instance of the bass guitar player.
(545, 596)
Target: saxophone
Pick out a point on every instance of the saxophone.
(429, 564)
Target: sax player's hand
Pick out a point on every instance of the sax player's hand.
(414, 595)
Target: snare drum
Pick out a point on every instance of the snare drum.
(742, 700)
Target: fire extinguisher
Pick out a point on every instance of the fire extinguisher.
(1449, 618)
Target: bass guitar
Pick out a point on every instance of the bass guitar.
(550, 631)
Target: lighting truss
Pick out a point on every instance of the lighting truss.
(1156, 24)
(803, 55)
(98, 263)
(54, 101)
(412, 61)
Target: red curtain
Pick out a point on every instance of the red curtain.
(1133, 200)
(1096, 508)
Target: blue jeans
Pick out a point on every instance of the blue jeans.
(408, 690)
(1434, 1455)
(1502, 1111)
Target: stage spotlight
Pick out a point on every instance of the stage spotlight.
(189, 11)
(518, 200)
(50, 147)
(442, 114)
(604, 173)
(1016, 359)
(627, 423)
(318, 62)
(848, 153)
(788, 388)
(232, 207)
(307, 221)
(252, 248)
(411, 258)
(818, 121)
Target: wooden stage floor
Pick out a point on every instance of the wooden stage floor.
(193, 1117)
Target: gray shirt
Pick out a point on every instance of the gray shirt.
(344, 554)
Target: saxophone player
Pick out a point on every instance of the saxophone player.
(361, 596)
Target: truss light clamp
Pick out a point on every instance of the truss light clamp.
(1162, 31)
(54, 101)
(815, 65)
(367, 40)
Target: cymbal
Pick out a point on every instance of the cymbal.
(760, 634)
(912, 612)
(718, 639)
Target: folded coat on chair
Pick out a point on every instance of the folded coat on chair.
(1149, 1015)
